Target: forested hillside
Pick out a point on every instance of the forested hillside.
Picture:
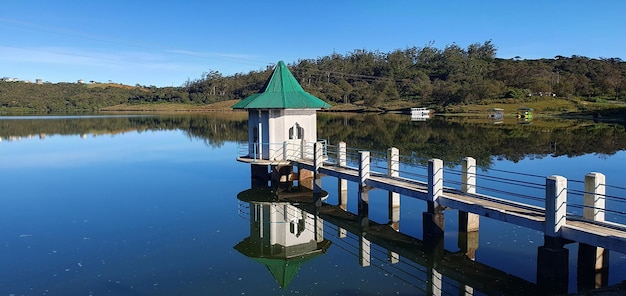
(420, 76)
(432, 76)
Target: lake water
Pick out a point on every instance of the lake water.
(147, 205)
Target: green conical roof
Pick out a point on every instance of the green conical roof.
(281, 91)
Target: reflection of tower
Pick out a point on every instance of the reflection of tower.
(282, 236)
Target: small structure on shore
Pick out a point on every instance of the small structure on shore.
(496, 113)
(525, 113)
(420, 114)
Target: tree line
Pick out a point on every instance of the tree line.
(432, 76)
(421, 76)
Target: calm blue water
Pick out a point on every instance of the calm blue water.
(156, 213)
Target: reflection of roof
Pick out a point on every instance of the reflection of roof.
(281, 91)
(282, 267)
(267, 194)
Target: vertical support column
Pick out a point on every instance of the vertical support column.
(318, 159)
(342, 184)
(286, 155)
(552, 258)
(468, 222)
(364, 174)
(592, 260)
(393, 170)
(433, 219)
(259, 175)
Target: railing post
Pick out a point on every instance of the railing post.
(594, 200)
(364, 167)
(435, 179)
(342, 159)
(342, 155)
(285, 150)
(468, 175)
(556, 205)
(303, 149)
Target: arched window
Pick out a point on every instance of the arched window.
(296, 132)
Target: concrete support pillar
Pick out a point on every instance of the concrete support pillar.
(363, 207)
(433, 219)
(467, 240)
(363, 202)
(305, 178)
(593, 261)
(259, 175)
(342, 184)
(552, 267)
(468, 222)
(433, 222)
(342, 197)
(592, 268)
(318, 159)
(393, 170)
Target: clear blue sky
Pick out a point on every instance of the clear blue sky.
(165, 43)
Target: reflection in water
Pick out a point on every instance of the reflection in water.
(282, 236)
(287, 230)
(449, 139)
